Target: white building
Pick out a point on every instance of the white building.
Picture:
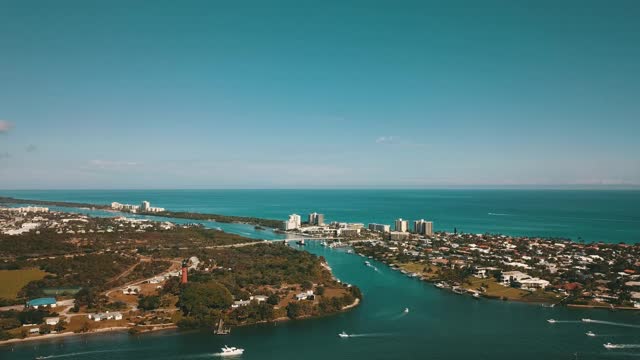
(26, 209)
(105, 316)
(144, 206)
(380, 228)
(51, 320)
(316, 219)
(423, 227)
(293, 222)
(402, 225)
(526, 281)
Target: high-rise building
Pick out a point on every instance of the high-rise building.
(402, 225)
(380, 228)
(145, 206)
(423, 227)
(293, 222)
(316, 219)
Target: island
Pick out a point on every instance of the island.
(68, 273)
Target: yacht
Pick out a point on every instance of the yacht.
(551, 321)
(587, 320)
(476, 295)
(590, 333)
(227, 351)
(439, 285)
(343, 335)
(609, 345)
(406, 310)
(367, 263)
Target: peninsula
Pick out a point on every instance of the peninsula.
(67, 273)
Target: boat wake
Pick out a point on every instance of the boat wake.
(614, 323)
(82, 353)
(565, 321)
(369, 335)
(624, 346)
(498, 214)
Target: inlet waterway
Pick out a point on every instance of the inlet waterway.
(439, 325)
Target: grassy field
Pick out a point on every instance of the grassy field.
(14, 280)
(497, 290)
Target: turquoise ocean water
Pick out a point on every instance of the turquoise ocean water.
(440, 325)
(609, 216)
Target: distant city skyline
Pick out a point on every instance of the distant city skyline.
(410, 94)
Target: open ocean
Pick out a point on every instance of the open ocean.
(440, 324)
(609, 216)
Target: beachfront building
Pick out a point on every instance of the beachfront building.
(316, 219)
(402, 225)
(145, 206)
(26, 209)
(293, 222)
(380, 228)
(105, 316)
(423, 227)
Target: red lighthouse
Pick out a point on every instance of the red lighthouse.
(184, 271)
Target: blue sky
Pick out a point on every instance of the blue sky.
(274, 94)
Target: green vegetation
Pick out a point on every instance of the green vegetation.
(219, 218)
(89, 271)
(14, 280)
(174, 214)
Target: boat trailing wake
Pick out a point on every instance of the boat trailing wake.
(624, 346)
(81, 353)
(614, 323)
(369, 335)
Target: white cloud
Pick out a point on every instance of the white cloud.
(386, 139)
(5, 126)
(110, 164)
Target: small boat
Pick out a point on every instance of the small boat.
(406, 310)
(476, 295)
(590, 333)
(343, 335)
(610, 345)
(40, 357)
(439, 285)
(551, 321)
(587, 320)
(367, 263)
(228, 351)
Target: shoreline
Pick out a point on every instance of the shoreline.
(94, 332)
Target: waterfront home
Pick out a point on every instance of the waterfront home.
(511, 276)
(105, 316)
(307, 295)
(41, 302)
(51, 320)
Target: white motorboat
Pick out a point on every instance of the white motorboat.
(406, 310)
(551, 321)
(590, 333)
(227, 351)
(610, 346)
(587, 320)
(343, 335)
